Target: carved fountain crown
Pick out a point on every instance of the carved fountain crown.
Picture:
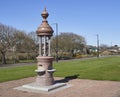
(44, 29)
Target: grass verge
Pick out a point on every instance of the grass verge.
(96, 69)
(14, 73)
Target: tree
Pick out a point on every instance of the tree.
(6, 40)
(10, 38)
(68, 42)
(25, 43)
(34, 36)
(35, 45)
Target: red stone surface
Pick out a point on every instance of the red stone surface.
(80, 88)
(45, 78)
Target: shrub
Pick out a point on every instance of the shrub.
(64, 56)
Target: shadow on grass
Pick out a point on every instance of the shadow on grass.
(67, 78)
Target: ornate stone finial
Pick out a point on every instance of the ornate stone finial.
(44, 29)
(45, 14)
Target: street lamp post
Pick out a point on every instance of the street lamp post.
(14, 56)
(56, 50)
(97, 46)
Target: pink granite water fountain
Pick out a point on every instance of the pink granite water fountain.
(44, 80)
(44, 66)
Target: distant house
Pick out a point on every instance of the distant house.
(92, 48)
(111, 50)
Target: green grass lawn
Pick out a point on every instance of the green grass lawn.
(13, 73)
(96, 69)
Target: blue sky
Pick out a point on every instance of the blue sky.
(84, 17)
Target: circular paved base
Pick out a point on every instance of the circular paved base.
(80, 88)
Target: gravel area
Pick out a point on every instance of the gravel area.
(80, 88)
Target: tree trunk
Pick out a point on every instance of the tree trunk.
(3, 58)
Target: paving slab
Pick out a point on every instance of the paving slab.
(33, 87)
